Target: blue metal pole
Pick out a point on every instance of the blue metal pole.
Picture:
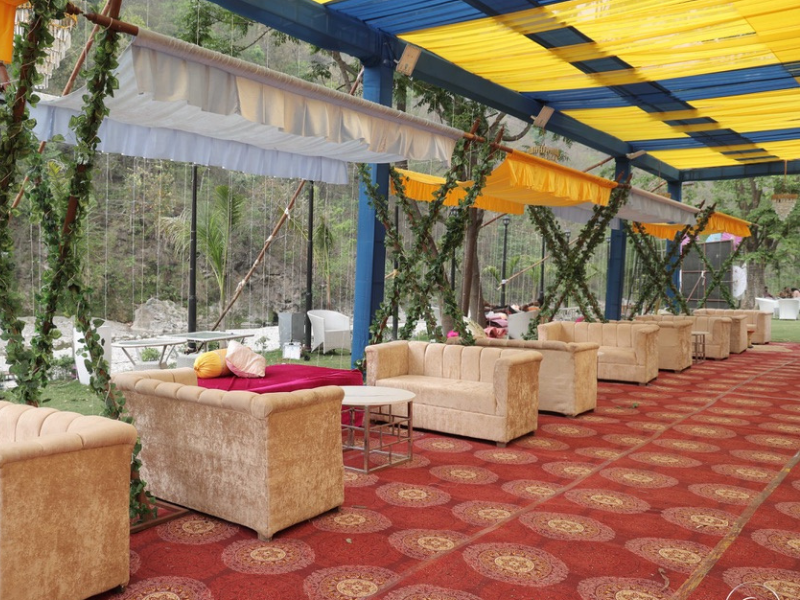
(370, 248)
(675, 190)
(616, 255)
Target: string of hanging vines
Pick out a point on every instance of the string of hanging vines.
(659, 271)
(16, 145)
(572, 260)
(62, 281)
(421, 271)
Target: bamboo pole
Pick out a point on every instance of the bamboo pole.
(275, 230)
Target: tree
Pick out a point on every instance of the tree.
(217, 222)
(771, 238)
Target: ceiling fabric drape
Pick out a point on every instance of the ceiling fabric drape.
(519, 180)
(423, 188)
(181, 102)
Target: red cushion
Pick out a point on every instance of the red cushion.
(288, 378)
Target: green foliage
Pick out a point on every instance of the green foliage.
(149, 354)
(54, 204)
(217, 224)
(212, 27)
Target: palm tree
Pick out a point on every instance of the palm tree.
(217, 221)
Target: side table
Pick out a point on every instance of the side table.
(699, 346)
(387, 432)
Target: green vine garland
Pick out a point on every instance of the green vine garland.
(660, 271)
(571, 259)
(62, 280)
(421, 273)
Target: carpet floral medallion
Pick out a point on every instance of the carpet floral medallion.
(686, 489)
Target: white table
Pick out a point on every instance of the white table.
(167, 345)
(204, 337)
(387, 431)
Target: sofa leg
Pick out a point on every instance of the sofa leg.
(501, 444)
(264, 538)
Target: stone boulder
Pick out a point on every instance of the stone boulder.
(160, 316)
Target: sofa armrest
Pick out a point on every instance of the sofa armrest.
(286, 401)
(386, 360)
(516, 382)
(552, 331)
(645, 343)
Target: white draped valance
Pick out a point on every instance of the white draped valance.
(642, 206)
(181, 102)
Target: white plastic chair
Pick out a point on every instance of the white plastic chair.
(330, 329)
(769, 304)
(788, 309)
(518, 324)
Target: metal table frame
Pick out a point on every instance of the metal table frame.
(385, 432)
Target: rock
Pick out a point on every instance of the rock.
(160, 316)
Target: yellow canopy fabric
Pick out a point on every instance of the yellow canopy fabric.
(8, 10)
(529, 179)
(423, 188)
(717, 223)
(519, 180)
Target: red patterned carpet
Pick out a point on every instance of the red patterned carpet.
(686, 488)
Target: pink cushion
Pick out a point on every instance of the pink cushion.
(242, 361)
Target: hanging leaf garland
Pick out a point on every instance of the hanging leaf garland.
(421, 272)
(572, 259)
(17, 144)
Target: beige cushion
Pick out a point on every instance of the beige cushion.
(243, 362)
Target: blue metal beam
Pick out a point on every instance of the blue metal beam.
(615, 278)
(316, 24)
(370, 247)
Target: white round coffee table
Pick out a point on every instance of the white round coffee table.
(383, 416)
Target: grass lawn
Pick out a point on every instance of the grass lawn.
(785, 331)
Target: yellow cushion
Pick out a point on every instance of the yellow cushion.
(211, 364)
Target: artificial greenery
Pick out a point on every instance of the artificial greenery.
(421, 271)
(660, 271)
(61, 284)
(572, 259)
(16, 145)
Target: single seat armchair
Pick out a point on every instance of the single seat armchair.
(64, 503)
(330, 329)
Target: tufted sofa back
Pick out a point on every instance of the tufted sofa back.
(22, 423)
(619, 334)
(448, 361)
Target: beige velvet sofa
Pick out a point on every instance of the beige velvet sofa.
(480, 392)
(674, 345)
(265, 461)
(64, 489)
(628, 351)
(567, 376)
(759, 322)
(717, 330)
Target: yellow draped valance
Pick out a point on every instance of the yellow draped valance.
(422, 187)
(520, 179)
(532, 180)
(717, 223)
(8, 10)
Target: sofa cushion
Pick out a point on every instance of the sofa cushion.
(457, 394)
(242, 361)
(618, 356)
(211, 364)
